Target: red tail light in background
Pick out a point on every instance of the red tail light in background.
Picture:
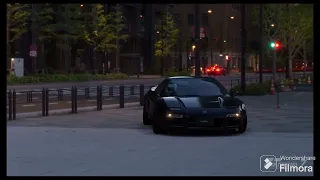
(218, 69)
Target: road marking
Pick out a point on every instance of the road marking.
(91, 100)
(28, 105)
(298, 94)
(53, 103)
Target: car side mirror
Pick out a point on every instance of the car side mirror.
(233, 93)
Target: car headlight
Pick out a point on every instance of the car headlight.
(174, 116)
(233, 115)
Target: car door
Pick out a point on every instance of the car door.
(155, 96)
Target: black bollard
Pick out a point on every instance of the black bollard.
(132, 90)
(47, 102)
(141, 94)
(14, 103)
(10, 104)
(98, 98)
(101, 97)
(43, 101)
(72, 100)
(75, 99)
(111, 91)
(121, 98)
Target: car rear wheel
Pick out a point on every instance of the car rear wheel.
(243, 125)
(146, 120)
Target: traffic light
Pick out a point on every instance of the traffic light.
(274, 45)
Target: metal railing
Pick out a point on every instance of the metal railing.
(45, 100)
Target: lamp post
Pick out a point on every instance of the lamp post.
(244, 47)
(197, 37)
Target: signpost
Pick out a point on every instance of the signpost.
(33, 50)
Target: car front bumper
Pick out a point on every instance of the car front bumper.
(194, 123)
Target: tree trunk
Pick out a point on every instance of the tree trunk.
(290, 62)
(117, 57)
(305, 58)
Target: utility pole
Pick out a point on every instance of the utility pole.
(274, 63)
(244, 47)
(197, 37)
(261, 58)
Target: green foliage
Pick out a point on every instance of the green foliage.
(253, 89)
(99, 31)
(119, 24)
(296, 27)
(69, 22)
(43, 16)
(11, 79)
(168, 35)
(17, 16)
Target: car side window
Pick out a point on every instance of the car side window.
(169, 91)
(161, 86)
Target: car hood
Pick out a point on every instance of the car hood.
(210, 104)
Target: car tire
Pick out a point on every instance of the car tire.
(146, 120)
(156, 128)
(243, 125)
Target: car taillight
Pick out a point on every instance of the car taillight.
(217, 69)
(208, 70)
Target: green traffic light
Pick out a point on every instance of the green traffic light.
(272, 44)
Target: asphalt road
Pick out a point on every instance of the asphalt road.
(115, 143)
(119, 82)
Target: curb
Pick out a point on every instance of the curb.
(68, 111)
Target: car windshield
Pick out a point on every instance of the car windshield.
(197, 87)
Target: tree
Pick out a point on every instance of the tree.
(119, 25)
(68, 29)
(17, 17)
(98, 31)
(169, 34)
(42, 28)
(270, 23)
(295, 28)
(291, 24)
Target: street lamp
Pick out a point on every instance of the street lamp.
(81, 5)
(232, 17)
(272, 25)
(158, 32)
(224, 41)
(209, 11)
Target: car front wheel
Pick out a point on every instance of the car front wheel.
(243, 125)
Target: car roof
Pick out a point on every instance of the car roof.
(189, 77)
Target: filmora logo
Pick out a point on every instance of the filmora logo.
(268, 163)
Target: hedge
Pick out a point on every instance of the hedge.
(46, 78)
(177, 73)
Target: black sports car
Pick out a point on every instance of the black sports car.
(191, 102)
